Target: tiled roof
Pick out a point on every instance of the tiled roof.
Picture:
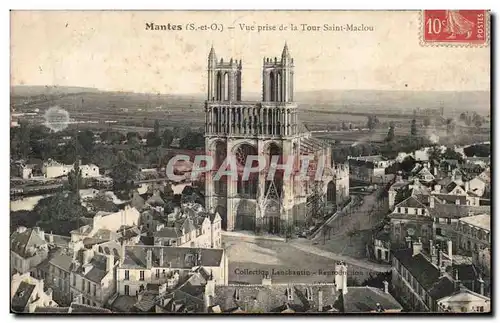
(26, 242)
(135, 257)
(22, 296)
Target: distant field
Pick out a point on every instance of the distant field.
(138, 112)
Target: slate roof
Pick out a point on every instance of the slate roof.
(82, 308)
(62, 261)
(97, 271)
(58, 240)
(419, 267)
(124, 303)
(456, 211)
(271, 298)
(23, 243)
(168, 232)
(365, 299)
(186, 258)
(442, 288)
(52, 310)
(481, 221)
(451, 199)
(411, 202)
(22, 296)
(180, 302)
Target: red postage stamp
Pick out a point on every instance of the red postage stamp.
(461, 27)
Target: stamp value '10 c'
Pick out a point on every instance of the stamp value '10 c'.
(464, 27)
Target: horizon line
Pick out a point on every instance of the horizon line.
(255, 93)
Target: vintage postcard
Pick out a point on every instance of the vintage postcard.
(227, 162)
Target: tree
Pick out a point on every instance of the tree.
(157, 128)
(133, 138)
(124, 173)
(372, 122)
(152, 140)
(390, 133)
(434, 153)
(452, 154)
(450, 126)
(60, 213)
(168, 137)
(86, 140)
(75, 180)
(413, 127)
(192, 140)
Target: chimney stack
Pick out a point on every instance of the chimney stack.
(161, 258)
(110, 262)
(481, 285)
(149, 258)
(457, 281)
(320, 301)
(386, 287)
(417, 247)
(450, 250)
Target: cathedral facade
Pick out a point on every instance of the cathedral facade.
(267, 128)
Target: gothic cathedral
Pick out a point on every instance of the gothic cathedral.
(267, 128)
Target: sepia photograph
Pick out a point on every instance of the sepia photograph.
(252, 162)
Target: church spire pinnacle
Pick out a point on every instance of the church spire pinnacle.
(211, 55)
(285, 52)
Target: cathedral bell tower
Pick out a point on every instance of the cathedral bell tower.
(224, 79)
(277, 78)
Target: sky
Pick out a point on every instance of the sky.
(112, 50)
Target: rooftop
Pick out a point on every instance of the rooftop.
(174, 257)
(481, 221)
(25, 242)
(22, 296)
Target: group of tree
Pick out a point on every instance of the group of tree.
(391, 132)
(471, 119)
(479, 150)
(60, 213)
(372, 122)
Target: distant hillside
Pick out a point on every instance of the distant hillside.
(398, 100)
(33, 90)
(332, 100)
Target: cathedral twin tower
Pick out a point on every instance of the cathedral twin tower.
(224, 78)
(275, 115)
(241, 128)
